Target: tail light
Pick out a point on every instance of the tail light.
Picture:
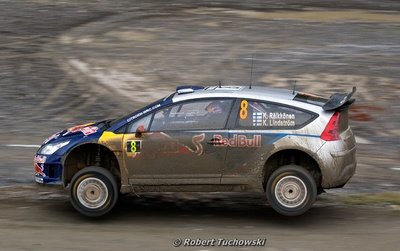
(332, 131)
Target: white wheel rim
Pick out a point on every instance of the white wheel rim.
(290, 191)
(92, 193)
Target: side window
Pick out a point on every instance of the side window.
(263, 115)
(193, 115)
(143, 123)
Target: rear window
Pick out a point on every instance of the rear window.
(267, 116)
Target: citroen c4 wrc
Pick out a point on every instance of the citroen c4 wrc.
(286, 144)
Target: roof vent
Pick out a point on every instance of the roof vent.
(185, 90)
(225, 88)
(193, 87)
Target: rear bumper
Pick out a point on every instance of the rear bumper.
(347, 161)
(339, 161)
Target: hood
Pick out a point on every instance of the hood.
(78, 131)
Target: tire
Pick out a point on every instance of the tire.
(291, 190)
(93, 191)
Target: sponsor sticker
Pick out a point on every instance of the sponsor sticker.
(89, 130)
(39, 159)
(196, 140)
(39, 170)
(143, 112)
(133, 146)
(78, 128)
(238, 140)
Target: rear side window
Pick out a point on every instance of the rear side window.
(267, 116)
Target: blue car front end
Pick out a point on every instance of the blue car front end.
(48, 169)
(48, 162)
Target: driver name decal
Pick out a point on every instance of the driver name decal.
(274, 119)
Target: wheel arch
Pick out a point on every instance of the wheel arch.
(287, 156)
(90, 154)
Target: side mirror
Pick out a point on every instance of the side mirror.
(139, 131)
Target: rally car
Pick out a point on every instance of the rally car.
(284, 143)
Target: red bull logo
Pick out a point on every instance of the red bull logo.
(39, 159)
(39, 170)
(238, 141)
(89, 130)
(86, 129)
(196, 140)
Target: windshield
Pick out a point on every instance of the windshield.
(116, 121)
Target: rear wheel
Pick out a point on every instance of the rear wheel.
(291, 190)
(93, 191)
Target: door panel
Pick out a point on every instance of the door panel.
(180, 146)
(176, 157)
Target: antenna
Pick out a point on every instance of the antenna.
(294, 85)
(251, 71)
(219, 84)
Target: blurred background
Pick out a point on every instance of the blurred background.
(64, 63)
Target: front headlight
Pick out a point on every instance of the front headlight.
(51, 148)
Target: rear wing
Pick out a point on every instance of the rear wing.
(339, 101)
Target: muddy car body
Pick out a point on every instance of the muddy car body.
(287, 144)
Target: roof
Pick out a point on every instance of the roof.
(277, 95)
(236, 91)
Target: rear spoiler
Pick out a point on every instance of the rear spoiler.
(339, 101)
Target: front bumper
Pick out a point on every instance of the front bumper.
(48, 169)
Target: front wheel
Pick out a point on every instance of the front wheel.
(93, 191)
(291, 190)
